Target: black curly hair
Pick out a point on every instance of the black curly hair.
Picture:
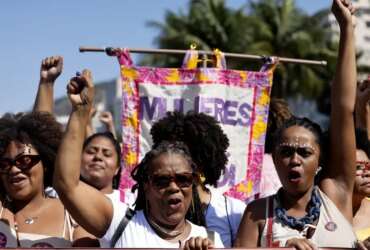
(141, 172)
(117, 147)
(204, 137)
(40, 129)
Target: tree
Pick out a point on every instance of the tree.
(209, 24)
(265, 27)
(286, 31)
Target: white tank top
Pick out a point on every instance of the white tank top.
(276, 234)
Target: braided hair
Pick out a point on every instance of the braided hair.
(278, 113)
(204, 137)
(141, 172)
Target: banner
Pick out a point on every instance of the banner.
(239, 100)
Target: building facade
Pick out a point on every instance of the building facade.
(362, 30)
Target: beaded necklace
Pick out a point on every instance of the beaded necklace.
(300, 223)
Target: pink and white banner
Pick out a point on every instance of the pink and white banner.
(239, 100)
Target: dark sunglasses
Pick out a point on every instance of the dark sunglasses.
(288, 151)
(183, 180)
(23, 162)
(363, 165)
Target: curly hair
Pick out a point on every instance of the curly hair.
(40, 129)
(117, 147)
(279, 112)
(141, 172)
(204, 137)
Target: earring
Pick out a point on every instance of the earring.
(7, 198)
(318, 170)
(202, 178)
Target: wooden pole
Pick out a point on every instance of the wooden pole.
(203, 52)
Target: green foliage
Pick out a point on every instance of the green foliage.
(264, 27)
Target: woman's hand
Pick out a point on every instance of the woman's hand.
(51, 68)
(80, 90)
(343, 11)
(198, 243)
(107, 119)
(300, 244)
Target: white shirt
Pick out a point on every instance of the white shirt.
(224, 216)
(139, 234)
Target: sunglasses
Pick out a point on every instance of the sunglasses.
(362, 166)
(183, 180)
(23, 162)
(288, 151)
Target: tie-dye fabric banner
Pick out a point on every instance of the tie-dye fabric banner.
(239, 100)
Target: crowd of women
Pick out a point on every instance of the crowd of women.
(58, 185)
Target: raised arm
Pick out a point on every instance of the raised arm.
(107, 119)
(51, 68)
(340, 172)
(90, 208)
(90, 130)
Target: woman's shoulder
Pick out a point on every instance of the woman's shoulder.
(259, 206)
(54, 203)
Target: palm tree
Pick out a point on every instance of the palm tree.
(209, 24)
(265, 27)
(286, 31)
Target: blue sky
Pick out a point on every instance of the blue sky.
(34, 29)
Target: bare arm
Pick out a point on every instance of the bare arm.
(90, 130)
(107, 118)
(250, 228)
(90, 208)
(340, 172)
(51, 68)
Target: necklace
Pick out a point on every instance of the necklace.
(164, 231)
(30, 220)
(300, 223)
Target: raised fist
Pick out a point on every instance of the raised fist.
(51, 68)
(80, 90)
(343, 11)
(106, 118)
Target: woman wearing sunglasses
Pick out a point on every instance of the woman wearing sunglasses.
(29, 218)
(304, 215)
(165, 180)
(208, 145)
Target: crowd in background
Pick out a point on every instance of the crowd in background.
(59, 185)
